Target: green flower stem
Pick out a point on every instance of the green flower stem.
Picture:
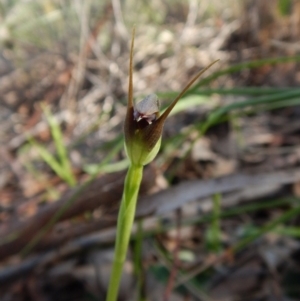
(125, 221)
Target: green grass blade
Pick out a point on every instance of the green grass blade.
(106, 168)
(49, 159)
(267, 228)
(242, 66)
(104, 165)
(60, 147)
(138, 263)
(213, 234)
(246, 91)
(263, 100)
(288, 231)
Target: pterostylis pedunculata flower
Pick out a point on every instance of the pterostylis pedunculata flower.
(143, 128)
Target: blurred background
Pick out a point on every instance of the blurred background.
(218, 212)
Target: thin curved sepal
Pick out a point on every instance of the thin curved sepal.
(166, 113)
(130, 85)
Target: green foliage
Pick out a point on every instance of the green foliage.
(60, 165)
(256, 99)
(138, 262)
(270, 226)
(284, 6)
(213, 233)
